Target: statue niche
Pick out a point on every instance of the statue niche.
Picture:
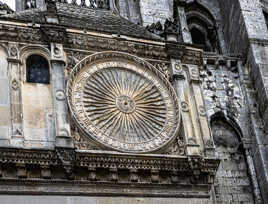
(233, 171)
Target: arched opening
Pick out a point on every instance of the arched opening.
(232, 183)
(202, 26)
(37, 70)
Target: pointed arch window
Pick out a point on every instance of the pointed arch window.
(37, 70)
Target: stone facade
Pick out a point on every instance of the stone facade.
(134, 101)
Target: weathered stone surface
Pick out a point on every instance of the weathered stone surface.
(96, 200)
(222, 94)
(37, 112)
(156, 10)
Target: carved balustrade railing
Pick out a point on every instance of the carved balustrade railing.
(96, 4)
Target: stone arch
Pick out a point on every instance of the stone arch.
(232, 184)
(36, 102)
(27, 51)
(197, 14)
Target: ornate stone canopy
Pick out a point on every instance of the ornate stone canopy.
(123, 102)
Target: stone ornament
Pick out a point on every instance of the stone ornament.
(123, 102)
(60, 95)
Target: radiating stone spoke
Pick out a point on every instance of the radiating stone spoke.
(124, 105)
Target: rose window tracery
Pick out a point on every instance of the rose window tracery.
(123, 105)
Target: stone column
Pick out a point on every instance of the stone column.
(186, 35)
(194, 117)
(62, 126)
(17, 138)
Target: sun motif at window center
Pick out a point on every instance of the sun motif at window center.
(124, 105)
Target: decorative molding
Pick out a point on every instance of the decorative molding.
(154, 104)
(158, 174)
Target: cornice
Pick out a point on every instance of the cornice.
(66, 171)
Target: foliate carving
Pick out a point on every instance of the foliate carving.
(177, 147)
(153, 174)
(73, 57)
(197, 165)
(123, 102)
(15, 84)
(222, 91)
(29, 35)
(13, 52)
(184, 106)
(164, 68)
(97, 43)
(8, 32)
(210, 144)
(67, 159)
(54, 34)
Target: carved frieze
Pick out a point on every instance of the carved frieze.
(123, 102)
(79, 41)
(121, 174)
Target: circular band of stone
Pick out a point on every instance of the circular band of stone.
(123, 102)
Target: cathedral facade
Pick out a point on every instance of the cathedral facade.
(134, 101)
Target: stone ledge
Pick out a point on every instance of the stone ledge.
(66, 171)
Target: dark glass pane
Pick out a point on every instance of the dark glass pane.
(37, 70)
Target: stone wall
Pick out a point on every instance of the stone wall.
(232, 184)
(225, 88)
(233, 27)
(96, 200)
(37, 116)
(5, 122)
(153, 11)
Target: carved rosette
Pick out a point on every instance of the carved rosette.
(123, 102)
